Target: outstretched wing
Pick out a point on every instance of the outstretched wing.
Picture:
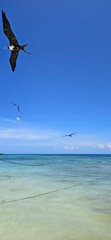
(15, 105)
(7, 30)
(18, 108)
(69, 135)
(13, 59)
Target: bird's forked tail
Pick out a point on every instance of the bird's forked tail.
(23, 48)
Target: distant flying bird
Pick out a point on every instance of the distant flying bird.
(18, 118)
(14, 45)
(69, 135)
(15, 105)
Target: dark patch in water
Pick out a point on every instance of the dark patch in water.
(37, 195)
(6, 177)
(25, 164)
(103, 210)
(13, 190)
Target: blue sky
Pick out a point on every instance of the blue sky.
(64, 85)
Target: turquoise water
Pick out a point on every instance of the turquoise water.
(55, 197)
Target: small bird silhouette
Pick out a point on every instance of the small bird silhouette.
(15, 105)
(14, 45)
(69, 135)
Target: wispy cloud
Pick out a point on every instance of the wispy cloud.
(27, 140)
(22, 134)
(6, 120)
(23, 137)
(104, 146)
(71, 147)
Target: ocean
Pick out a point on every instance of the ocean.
(55, 197)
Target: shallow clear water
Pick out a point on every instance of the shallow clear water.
(55, 197)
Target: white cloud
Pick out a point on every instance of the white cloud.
(27, 140)
(100, 146)
(104, 146)
(71, 147)
(22, 134)
(109, 145)
(2, 120)
(27, 137)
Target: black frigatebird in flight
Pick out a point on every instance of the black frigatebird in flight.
(15, 105)
(69, 135)
(18, 118)
(14, 45)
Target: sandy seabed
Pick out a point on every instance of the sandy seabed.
(70, 213)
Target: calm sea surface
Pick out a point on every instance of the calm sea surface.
(55, 197)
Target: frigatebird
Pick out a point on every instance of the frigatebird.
(15, 105)
(69, 135)
(18, 109)
(18, 118)
(14, 45)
